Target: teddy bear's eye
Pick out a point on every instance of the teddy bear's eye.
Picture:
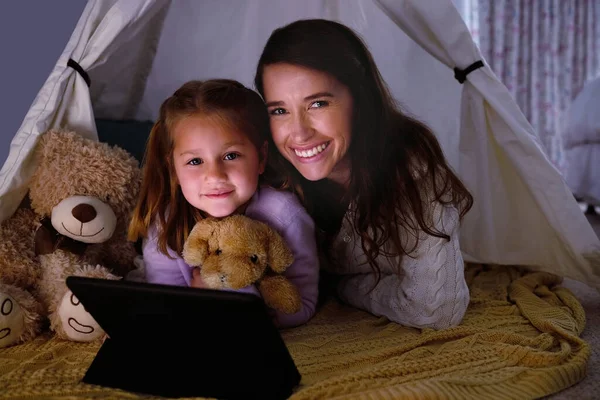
(7, 307)
(254, 258)
(218, 252)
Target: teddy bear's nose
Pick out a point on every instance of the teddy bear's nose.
(84, 213)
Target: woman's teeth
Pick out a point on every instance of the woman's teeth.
(311, 152)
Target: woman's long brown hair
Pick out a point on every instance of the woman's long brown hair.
(398, 169)
(161, 202)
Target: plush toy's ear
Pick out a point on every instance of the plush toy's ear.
(195, 248)
(279, 255)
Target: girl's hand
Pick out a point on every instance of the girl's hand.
(250, 289)
(197, 281)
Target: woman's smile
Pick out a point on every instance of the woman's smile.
(312, 154)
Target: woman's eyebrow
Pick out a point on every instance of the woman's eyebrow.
(307, 98)
(317, 95)
(274, 103)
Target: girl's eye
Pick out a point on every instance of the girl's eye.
(231, 156)
(277, 111)
(319, 104)
(195, 161)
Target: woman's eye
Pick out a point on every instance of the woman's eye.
(319, 104)
(277, 111)
(195, 161)
(231, 156)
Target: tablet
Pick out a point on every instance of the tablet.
(185, 342)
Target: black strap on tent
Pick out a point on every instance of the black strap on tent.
(461, 74)
(73, 64)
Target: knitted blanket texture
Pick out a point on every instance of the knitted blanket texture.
(520, 339)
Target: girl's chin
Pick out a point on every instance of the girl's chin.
(220, 213)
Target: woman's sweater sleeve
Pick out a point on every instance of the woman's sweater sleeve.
(431, 291)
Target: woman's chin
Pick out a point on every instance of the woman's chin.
(312, 172)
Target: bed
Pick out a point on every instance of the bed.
(525, 335)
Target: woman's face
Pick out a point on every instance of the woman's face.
(311, 120)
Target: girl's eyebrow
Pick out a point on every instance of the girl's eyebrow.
(225, 146)
(191, 152)
(307, 98)
(233, 143)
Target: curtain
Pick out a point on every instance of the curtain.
(544, 52)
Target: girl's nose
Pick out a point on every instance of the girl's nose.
(215, 172)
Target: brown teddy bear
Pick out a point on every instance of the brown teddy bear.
(73, 222)
(237, 251)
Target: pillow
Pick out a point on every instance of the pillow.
(130, 135)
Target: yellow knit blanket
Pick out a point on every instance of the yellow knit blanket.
(519, 340)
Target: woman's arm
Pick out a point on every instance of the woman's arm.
(432, 291)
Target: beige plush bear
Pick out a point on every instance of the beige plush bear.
(73, 222)
(237, 251)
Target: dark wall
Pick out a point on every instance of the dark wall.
(33, 34)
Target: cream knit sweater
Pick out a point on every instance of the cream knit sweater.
(429, 288)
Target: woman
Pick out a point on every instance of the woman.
(384, 199)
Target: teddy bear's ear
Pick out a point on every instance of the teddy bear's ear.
(279, 255)
(54, 143)
(195, 248)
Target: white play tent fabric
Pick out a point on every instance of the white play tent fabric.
(64, 100)
(581, 138)
(138, 52)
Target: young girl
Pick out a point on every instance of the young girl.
(207, 156)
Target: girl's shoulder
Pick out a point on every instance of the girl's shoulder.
(272, 204)
(277, 197)
(155, 229)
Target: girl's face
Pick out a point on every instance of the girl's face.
(311, 120)
(217, 168)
